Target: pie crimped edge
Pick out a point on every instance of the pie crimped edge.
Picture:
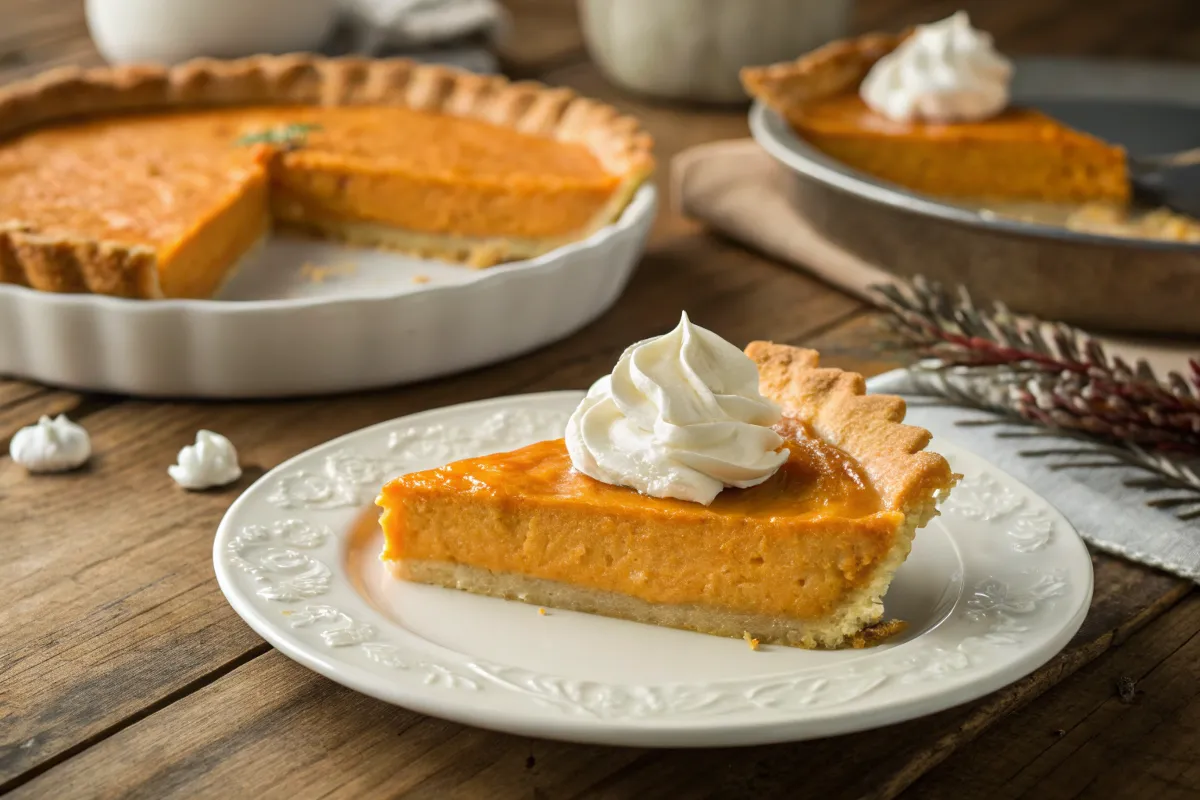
(870, 428)
(81, 264)
(832, 69)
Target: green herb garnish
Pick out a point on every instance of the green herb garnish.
(289, 137)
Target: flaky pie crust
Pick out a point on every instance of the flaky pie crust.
(833, 69)
(70, 264)
(868, 427)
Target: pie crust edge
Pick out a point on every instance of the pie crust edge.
(80, 264)
(869, 427)
(831, 69)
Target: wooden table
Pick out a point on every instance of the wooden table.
(123, 671)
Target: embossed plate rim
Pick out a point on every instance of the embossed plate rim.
(295, 594)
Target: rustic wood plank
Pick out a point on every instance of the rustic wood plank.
(139, 661)
(1083, 739)
(40, 34)
(69, 52)
(400, 752)
(544, 33)
(29, 20)
(14, 391)
(20, 44)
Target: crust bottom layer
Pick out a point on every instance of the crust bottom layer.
(478, 252)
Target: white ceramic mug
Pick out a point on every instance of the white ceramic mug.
(693, 49)
(176, 30)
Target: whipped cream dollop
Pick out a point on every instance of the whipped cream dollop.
(211, 461)
(944, 72)
(52, 445)
(680, 416)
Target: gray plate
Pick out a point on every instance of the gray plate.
(1085, 278)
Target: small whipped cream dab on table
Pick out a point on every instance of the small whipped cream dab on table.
(212, 461)
(51, 445)
(680, 416)
(944, 72)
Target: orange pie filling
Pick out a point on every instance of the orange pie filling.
(196, 264)
(320, 192)
(794, 546)
(435, 174)
(1021, 153)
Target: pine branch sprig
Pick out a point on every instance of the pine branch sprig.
(1049, 373)
(1172, 482)
(951, 327)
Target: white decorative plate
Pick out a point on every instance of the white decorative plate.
(993, 588)
(307, 317)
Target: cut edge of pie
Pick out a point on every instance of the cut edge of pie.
(1021, 154)
(68, 263)
(833, 403)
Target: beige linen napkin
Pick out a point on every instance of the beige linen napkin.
(736, 188)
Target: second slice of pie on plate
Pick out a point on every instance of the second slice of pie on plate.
(927, 108)
(699, 487)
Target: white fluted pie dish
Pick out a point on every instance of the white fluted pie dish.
(307, 317)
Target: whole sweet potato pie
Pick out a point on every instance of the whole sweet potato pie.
(802, 559)
(152, 182)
